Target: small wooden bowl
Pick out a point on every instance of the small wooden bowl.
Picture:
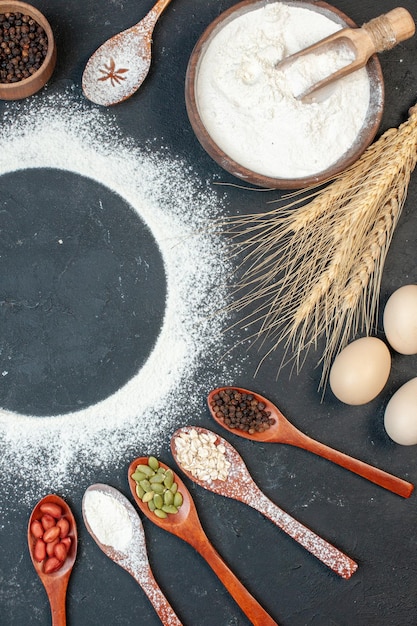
(365, 136)
(29, 86)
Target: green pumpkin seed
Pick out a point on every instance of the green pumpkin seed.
(170, 508)
(153, 463)
(146, 485)
(157, 478)
(169, 479)
(168, 497)
(145, 469)
(158, 500)
(140, 491)
(148, 496)
(178, 500)
(157, 488)
(138, 476)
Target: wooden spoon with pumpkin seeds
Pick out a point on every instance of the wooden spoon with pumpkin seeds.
(186, 525)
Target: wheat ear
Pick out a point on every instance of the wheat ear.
(315, 270)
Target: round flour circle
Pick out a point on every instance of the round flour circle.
(60, 133)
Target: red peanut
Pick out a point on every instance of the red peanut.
(36, 529)
(48, 521)
(50, 547)
(51, 565)
(66, 541)
(51, 534)
(64, 526)
(60, 551)
(51, 509)
(52, 539)
(39, 551)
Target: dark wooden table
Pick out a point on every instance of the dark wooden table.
(375, 527)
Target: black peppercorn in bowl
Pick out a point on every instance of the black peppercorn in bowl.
(27, 50)
(249, 125)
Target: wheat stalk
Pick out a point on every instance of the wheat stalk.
(315, 270)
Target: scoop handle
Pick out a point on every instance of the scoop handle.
(328, 554)
(156, 597)
(153, 15)
(373, 474)
(57, 591)
(251, 607)
(387, 30)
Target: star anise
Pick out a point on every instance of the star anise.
(111, 73)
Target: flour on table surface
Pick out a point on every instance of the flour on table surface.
(60, 132)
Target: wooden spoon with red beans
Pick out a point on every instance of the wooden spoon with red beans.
(52, 541)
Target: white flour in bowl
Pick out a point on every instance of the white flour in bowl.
(249, 108)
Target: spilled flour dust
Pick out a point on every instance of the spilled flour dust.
(61, 132)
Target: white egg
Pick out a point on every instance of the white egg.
(400, 419)
(360, 371)
(400, 320)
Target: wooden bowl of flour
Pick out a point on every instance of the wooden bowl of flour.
(231, 120)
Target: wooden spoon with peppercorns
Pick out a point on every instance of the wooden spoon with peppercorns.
(266, 423)
(53, 571)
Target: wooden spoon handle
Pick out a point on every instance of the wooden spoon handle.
(155, 12)
(389, 29)
(159, 602)
(379, 477)
(320, 548)
(57, 601)
(251, 607)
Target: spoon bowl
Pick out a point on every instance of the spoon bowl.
(134, 558)
(119, 66)
(187, 526)
(240, 486)
(282, 431)
(55, 583)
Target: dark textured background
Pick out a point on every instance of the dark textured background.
(376, 528)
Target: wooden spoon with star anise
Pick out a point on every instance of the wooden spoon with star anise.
(120, 65)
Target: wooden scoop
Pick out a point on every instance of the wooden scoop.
(239, 485)
(186, 525)
(120, 65)
(282, 431)
(135, 559)
(354, 46)
(55, 583)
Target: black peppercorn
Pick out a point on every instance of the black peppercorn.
(23, 47)
(241, 411)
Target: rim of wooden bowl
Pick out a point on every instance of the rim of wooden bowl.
(365, 136)
(29, 86)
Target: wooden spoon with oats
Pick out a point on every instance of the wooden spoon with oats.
(238, 484)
